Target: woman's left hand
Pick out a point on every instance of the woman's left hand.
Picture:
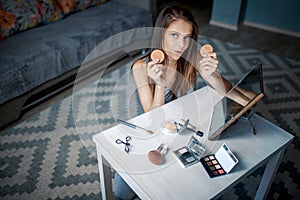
(208, 64)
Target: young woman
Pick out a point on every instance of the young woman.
(158, 83)
(177, 36)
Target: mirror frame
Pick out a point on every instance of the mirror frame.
(213, 136)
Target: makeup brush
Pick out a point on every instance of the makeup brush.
(133, 126)
(157, 156)
(157, 54)
(206, 49)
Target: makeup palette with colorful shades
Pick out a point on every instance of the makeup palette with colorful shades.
(220, 163)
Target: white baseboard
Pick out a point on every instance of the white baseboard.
(272, 28)
(223, 25)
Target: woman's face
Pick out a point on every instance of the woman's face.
(177, 39)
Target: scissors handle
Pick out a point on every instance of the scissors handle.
(128, 138)
(118, 141)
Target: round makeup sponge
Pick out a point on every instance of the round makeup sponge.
(157, 54)
(170, 126)
(205, 49)
(155, 157)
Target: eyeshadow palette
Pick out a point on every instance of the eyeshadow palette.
(220, 163)
(186, 157)
(190, 154)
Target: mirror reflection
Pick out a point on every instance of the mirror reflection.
(247, 92)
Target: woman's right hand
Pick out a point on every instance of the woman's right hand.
(155, 72)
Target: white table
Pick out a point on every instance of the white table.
(170, 180)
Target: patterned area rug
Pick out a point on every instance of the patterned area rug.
(48, 157)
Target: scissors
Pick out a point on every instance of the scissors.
(127, 144)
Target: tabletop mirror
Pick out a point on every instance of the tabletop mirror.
(247, 92)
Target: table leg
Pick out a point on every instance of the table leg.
(105, 177)
(269, 175)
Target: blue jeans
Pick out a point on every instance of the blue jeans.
(121, 189)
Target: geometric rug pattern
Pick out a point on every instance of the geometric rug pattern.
(45, 156)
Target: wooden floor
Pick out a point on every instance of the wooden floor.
(248, 37)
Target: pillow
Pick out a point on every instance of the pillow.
(69, 6)
(16, 16)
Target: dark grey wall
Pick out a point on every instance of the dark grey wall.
(282, 15)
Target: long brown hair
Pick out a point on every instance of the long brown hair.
(187, 74)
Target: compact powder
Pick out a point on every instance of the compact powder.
(157, 54)
(205, 49)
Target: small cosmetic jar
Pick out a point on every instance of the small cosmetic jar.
(169, 126)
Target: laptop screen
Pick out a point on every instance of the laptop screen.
(247, 92)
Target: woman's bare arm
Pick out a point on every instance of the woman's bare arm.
(208, 70)
(148, 99)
